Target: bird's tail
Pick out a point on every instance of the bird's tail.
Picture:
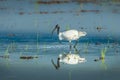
(60, 36)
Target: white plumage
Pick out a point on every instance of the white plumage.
(71, 35)
(71, 58)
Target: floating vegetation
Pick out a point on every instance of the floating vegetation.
(96, 11)
(71, 11)
(65, 1)
(28, 57)
(51, 2)
(21, 13)
(85, 1)
(56, 12)
(41, 12)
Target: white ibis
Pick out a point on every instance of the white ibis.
(69, 35)
(68, 58)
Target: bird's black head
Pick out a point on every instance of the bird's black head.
(57, 27)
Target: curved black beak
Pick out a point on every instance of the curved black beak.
(57, 27)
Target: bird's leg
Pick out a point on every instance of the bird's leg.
(75, 44)
(58, 62)
(70, 46)
(76, 50)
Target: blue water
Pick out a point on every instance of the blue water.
(25, 30)
(41, 68)
(41, 37)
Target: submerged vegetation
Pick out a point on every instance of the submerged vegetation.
(6, 54)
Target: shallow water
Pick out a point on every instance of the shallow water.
(25, 30)
(41, 68)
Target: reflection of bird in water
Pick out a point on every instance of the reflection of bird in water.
(71, 58)
(68, 59)
(69, 35)
(58, 63)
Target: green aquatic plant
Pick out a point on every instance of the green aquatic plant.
(6, 56)
(7, 51)
(103, 52)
